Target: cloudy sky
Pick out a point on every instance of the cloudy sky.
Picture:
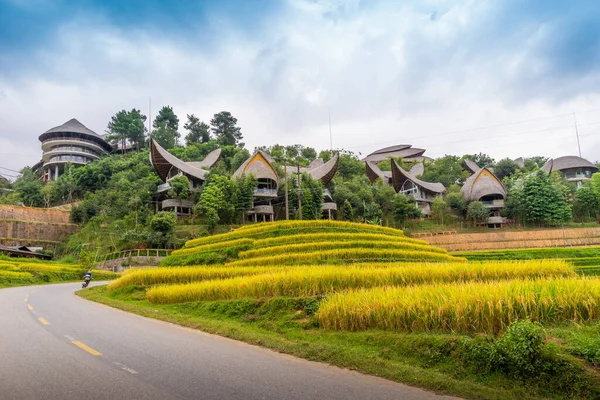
(453, 77)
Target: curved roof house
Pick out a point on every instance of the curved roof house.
(167, 166)
(405, 151)
(71, 142)
(260, 166)
(485, 187)
(423, 192)
(374, 173)
(573, 168)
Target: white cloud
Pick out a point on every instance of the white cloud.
(390, 74)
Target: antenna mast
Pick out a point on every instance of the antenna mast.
(330, 136)
(577, 133)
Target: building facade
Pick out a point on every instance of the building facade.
(69, 143)
(575, 169)
(485, 187)
(167, 166)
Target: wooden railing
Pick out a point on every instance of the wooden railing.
(134, 253)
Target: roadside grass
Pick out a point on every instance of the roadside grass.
(25, 272)
(435, 361)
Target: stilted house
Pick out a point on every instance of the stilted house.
(167, 166)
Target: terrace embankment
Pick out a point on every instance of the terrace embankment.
(36, 227)
(516, 239)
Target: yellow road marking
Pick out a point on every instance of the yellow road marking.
(86, 348)
(29, 307)
(43, 321)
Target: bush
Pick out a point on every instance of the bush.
(517, 353)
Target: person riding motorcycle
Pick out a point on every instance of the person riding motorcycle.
(87, 277)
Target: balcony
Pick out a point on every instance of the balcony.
(48, 144)
(170, 204)
(265, 192)
(499, 203)
(163, 187)
(266, 209)
(496, 220)
(329, 206)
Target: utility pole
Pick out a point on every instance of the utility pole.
(299, 194)
(287, 204)
(577, 134)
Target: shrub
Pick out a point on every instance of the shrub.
(517, 353)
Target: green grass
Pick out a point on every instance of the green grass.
(436, 362)
(531, 254)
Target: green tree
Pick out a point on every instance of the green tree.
(224, 127)
(477, 212)
(505, 167)
(198, 132)
(405, 208)
(312, 197)
(216, 198)
(544, 201)
(439, 210)
(28, 187)
(180, 188)
(595, 185)
(244, 194)
(456, 201)
(481, 159)
(585, 204)
(127, 126)
(347, 211)
(534, 163)
(384, 195)
(447, 170)
(166, 126)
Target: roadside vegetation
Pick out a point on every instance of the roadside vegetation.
(24, 272)
(479, 329)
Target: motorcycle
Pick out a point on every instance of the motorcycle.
(85, 283)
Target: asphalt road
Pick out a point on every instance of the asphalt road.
(55, 345)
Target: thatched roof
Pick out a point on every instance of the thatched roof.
(399, 176)
(163, 161)
(210, 160)
(258, 165)
(316, 163)
(74, 126)
(520, 162)
(482, 183)
(401, 150)
(417, 169)
(374, 172)
(325, 172)
(471, 166)
(568, 162)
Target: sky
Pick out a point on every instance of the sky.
(504, 77)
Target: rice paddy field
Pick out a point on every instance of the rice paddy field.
(370, 298)
(21, 272)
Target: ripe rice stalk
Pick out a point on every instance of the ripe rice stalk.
(333, 236)
(331, 245)
(174, 275)
(284, 228)
(347, 255)
(239, 243)
(463, 307)
(323, 280)
(14, 274)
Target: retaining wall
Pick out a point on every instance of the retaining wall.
(36, 227)
(517, 239)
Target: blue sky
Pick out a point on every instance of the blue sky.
(429, 73)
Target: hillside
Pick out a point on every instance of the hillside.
(367, 297)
